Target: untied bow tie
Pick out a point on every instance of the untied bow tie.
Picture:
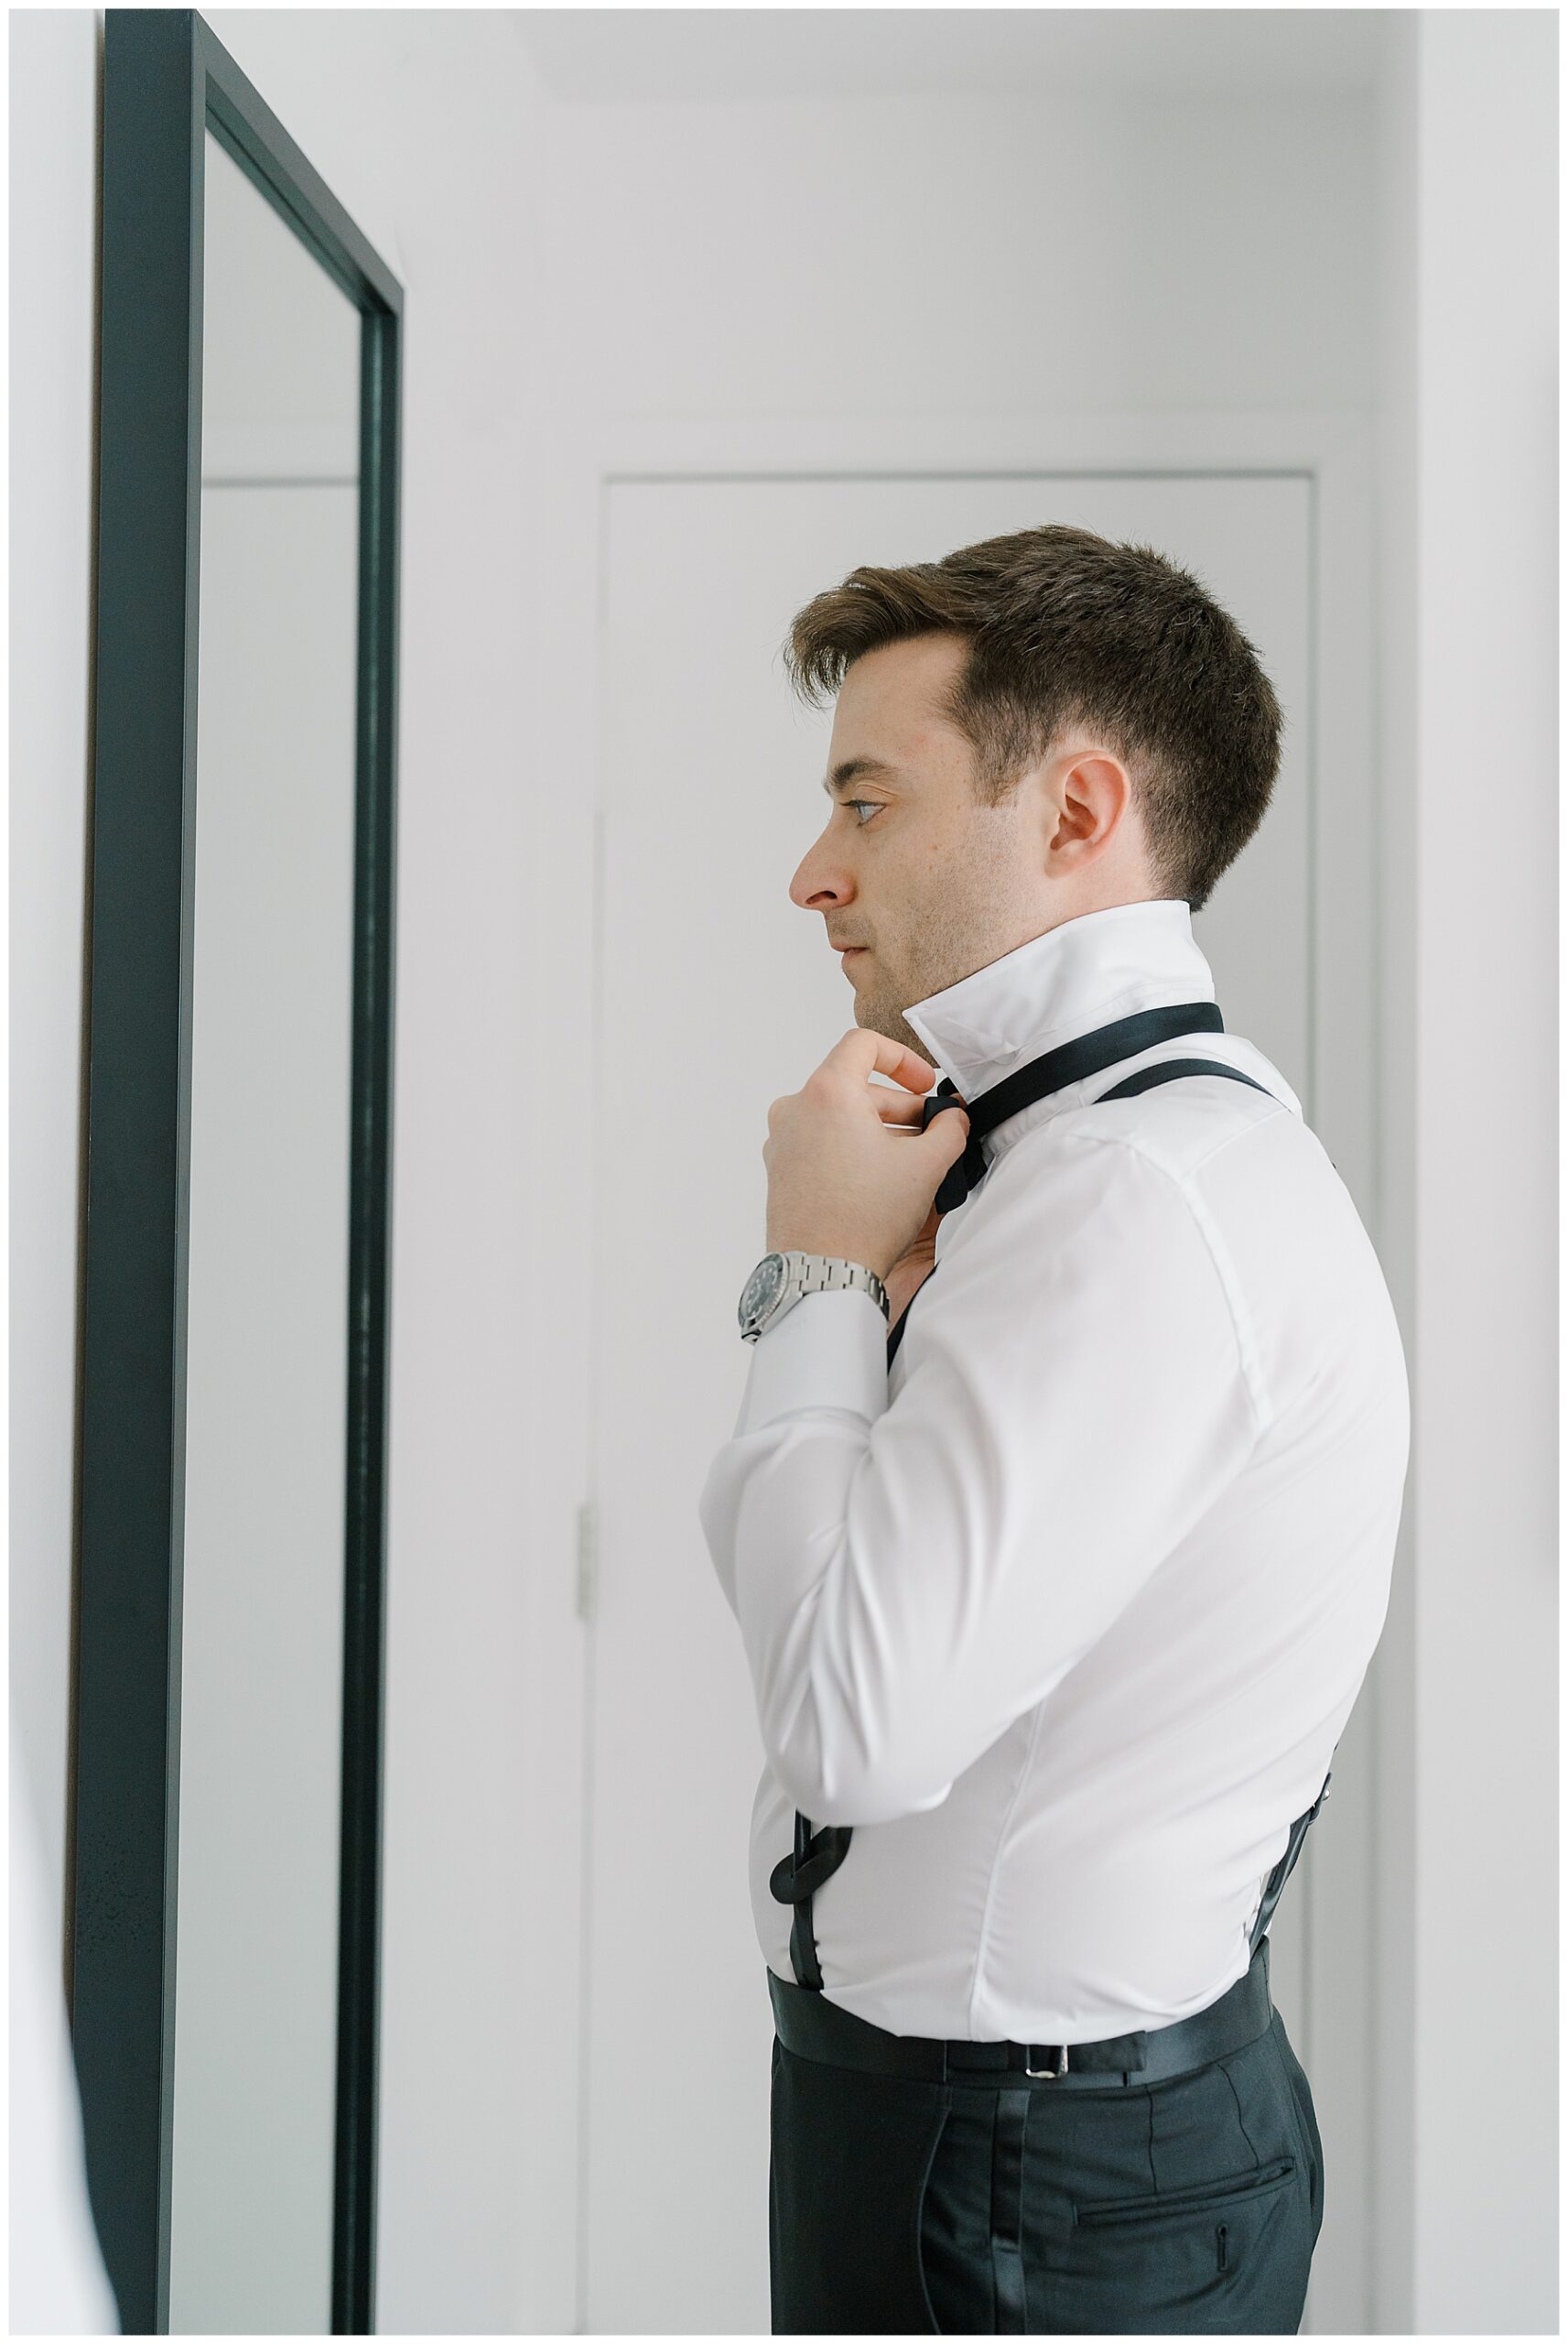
(1089, 1054)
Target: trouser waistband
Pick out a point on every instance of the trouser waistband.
(808, 2023)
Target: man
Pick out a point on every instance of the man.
(1056, 1596)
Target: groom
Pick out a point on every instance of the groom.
(1058, 1583)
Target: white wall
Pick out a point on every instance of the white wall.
(54, 311)
(1470, 626)
(1393, 1669)
(922, 255)
(815, 257)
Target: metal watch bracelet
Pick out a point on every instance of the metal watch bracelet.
(830, 1273)
(819, 1273)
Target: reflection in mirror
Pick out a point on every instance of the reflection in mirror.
(261, 1696)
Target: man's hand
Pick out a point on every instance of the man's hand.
(851, 1173)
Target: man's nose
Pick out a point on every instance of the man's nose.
(817, 882)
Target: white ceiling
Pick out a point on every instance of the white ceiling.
(650, 53)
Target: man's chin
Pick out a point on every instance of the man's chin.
(875, 1017)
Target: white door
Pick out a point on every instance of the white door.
(716, 995)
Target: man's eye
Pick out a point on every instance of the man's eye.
(874, 803)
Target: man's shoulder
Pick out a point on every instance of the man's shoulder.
(1180, 1125)
(1236, 1158)
(1244, 1166)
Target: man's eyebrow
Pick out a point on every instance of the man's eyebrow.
(853, 769)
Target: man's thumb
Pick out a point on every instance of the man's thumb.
(949, 1143)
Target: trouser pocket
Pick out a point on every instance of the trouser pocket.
(1225, 2255)
(1188, 2213)
(1223, 2192)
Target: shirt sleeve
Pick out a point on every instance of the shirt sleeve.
(910, 1577)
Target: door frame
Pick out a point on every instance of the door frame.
(1333, 450)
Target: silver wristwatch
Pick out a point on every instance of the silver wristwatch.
(779, 1281)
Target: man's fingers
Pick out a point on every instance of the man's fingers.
(864, 1051)
(897, 1106)
(893, 1106)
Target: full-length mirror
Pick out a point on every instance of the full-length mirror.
(268, 1280)
(226, 2008)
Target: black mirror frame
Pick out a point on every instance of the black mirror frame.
(168, 81)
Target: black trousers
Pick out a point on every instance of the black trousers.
(899, 2206)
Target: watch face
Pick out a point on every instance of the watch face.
(763, 1288)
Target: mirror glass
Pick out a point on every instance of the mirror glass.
(260, 1702)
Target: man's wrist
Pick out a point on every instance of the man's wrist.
(787, 1276)
(814, 1357)
(831, 1250)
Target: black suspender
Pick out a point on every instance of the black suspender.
(1286, 1864)
(1167, 1070)
(795, 1879)
(817, 1856)
(1087, 1054)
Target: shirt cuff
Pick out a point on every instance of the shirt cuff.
(828, 1351)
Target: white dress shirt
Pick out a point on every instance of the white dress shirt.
(1064, 1612)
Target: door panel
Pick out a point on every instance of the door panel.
(715, 995)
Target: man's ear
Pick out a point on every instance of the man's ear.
(1094, 796)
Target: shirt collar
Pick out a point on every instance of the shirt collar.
(1078, 975)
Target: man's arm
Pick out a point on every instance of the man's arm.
(909, 1578)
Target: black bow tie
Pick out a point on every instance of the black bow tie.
(1089, 1054)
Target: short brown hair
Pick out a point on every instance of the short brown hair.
(1068, 629)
